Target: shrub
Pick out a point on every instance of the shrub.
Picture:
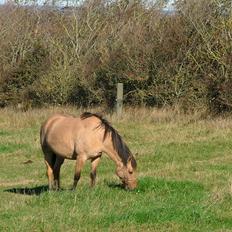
(77, 55)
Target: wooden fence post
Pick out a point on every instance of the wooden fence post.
(119, 100)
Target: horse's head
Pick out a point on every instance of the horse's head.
(127, 174)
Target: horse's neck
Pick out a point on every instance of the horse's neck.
(112, 153)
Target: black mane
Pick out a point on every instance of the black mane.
(118, 144)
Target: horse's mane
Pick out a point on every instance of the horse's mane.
(118, 144)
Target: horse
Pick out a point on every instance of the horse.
(84, 138)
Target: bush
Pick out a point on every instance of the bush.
(77, 55)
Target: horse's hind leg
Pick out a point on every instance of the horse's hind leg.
(56, 171)
(93, 173)
(80, 161)
(50, 161)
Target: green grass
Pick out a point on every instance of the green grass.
(184, 175)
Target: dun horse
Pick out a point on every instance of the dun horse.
(84, 138)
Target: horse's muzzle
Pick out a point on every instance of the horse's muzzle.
(131, 185)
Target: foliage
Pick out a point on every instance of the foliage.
(76, 55)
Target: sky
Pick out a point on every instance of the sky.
(169, 7)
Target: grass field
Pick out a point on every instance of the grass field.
(184, 173)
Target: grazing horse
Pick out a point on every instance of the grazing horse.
(84, 138)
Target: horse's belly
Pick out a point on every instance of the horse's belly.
(65, 150)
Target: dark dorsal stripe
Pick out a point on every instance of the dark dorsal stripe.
(118, 144)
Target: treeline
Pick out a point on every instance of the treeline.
(77, 55)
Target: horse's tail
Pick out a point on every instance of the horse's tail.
(42, 135)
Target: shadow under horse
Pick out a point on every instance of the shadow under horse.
(29, 191)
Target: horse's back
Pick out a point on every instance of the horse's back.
(66, 135)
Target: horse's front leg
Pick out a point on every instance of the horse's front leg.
(94, 163)
(80, 161)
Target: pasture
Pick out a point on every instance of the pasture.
(184, 174)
